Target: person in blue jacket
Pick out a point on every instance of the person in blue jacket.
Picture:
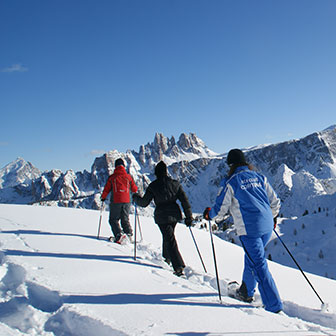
(254, 206)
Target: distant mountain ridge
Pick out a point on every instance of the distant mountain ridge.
(22, 183)
(305, 167)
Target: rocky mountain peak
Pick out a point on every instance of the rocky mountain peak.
(162, 143)
(190, 142)
(18, 172)
(188, 147)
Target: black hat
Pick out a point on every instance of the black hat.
(119, 162)
(160, 169)
(235, 156)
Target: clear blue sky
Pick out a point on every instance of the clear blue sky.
(81, 77)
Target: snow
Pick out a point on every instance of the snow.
(58, 279)
(16, 172)
(306, 237)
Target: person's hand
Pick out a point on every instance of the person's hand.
(189, 221)
(206, 213)
(274, 222)
(102, 199)
(135, 198)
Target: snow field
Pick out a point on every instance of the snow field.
(58, 279)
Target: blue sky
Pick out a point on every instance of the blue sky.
(81, 77)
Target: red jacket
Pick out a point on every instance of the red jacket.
(121, 185)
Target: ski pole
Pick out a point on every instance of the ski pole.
(135, 229)
(141, 238)
(299, 267)
(215, 262)
(100, 218)
(192, 235)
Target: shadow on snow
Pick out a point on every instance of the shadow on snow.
(179, 299)
(38, 232)
(115, 258)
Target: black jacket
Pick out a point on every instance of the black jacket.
(165, 191)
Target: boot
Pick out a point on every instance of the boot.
(241, 294)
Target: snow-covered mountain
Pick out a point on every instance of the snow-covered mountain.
(22, 183)
(18, 172)
(58, 279)
(302, 171)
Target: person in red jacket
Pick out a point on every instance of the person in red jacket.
(120, 184)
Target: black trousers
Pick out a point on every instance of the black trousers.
(169, 245)
(120, 212)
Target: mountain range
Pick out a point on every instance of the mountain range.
(302, 172)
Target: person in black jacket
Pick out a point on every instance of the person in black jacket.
(165, 191)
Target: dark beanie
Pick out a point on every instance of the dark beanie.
(160, 169)
(235, 156)
(119, 162)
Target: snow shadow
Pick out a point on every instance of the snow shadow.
(42, 298)
(25, 315)
(185, 299)
(46, 233)
(70, 323)
(114, 258)
(12, 280)
(193, 333)
(33, 309)
(18, 314)
(2, 257)
(240, 333)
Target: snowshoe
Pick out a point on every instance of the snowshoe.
(238, 292)
(122, 239)
(179, 272)
(167, 261)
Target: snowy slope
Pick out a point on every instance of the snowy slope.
(58, 279)
(311, 239)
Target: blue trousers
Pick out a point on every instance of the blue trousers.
(256, 271)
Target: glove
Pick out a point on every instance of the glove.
(274, 222)
(102, 199)
(206, 213)
(189, 221)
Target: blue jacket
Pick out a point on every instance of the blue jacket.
(251, 201)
